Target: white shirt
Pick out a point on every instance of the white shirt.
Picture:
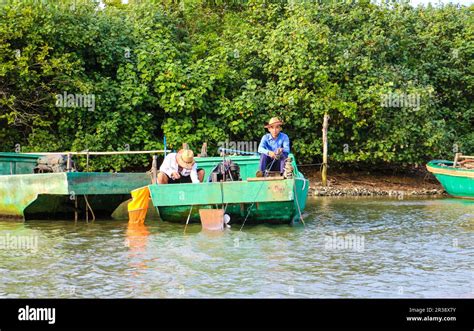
(170, 165)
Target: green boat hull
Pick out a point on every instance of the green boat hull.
(263, 201)
(17, 163)
(457, 182)
(25, 195)
(60, 195)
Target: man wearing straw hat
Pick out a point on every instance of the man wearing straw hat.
(274, 148)
(180, 168)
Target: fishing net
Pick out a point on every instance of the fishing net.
(138, 207)
(212, 219)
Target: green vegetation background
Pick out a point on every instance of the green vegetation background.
(202, 71)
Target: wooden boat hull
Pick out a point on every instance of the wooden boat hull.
(275, 203)
(59, 195)
(264, 201)
(457, 182)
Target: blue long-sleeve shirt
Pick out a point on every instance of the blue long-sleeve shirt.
(268, 144)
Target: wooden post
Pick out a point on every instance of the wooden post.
(87, 161)
(325, 150)
(164, 144)
(154, 169)
(68, 164)
(76, 215)
(456, 159)
(203, 150)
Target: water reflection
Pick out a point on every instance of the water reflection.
(412, 248)
(212, 233)
(136, 239)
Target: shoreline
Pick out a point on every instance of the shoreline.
(321, 191)
(363, 183)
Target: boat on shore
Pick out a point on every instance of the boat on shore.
(26, 195)
(456, 177)
(248, 199)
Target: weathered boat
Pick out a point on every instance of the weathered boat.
(252, 199)
(457, 180)
(60, 195)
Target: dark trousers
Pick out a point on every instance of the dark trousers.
(181, 180)
(278, 165)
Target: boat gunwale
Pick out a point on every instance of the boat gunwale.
(6, 156)
(437, 169)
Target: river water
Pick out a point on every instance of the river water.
(349, 248)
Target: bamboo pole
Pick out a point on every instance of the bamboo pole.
(459, 156)
(154, 169)
(102, 153)
(325, 150)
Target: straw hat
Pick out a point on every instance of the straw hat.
(274, 121)
(185, 158)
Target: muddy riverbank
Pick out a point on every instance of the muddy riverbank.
(365, 183)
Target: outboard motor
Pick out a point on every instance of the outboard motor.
(227, 170)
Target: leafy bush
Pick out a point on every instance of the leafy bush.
(201, 71)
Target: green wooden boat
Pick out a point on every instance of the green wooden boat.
(458, 182)
(25, 195)
(271, 200)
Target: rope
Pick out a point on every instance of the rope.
(248, 211)
(304, 182)
(298, 204)
(222, 194)
(189, 216)
(308, 164)
(90, 208)
(268, 168)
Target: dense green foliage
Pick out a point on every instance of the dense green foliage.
(198, 71)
